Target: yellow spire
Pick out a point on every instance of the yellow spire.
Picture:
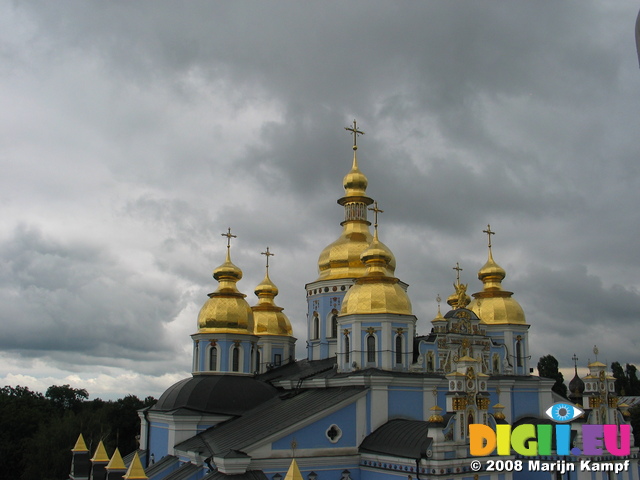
(438, 317)
(80, 446)
(136, 471)
(267, 316)
(493, 305)
(341, 259)
(294, 472)
(226, 311)
(116, 462)
(378, 290)
(101, 454)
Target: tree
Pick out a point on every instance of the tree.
(66, 397)
(632, 380)
(548, 367)
(621, 384)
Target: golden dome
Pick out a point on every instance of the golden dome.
(226, 311)
(493, 305)
(267, 316)
(377, 291)
(341, 259)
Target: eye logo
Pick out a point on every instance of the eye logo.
(563, 412)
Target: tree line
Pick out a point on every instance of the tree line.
(38, 431)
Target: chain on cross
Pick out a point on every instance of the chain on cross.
(229, 236)
(355, 132)
(458, 270)
(375, 211)
(489, 233)
(267, 254)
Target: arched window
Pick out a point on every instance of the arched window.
(316, 327)
(334, 325)
(258, 361)
(371, 349)
(347, 347)
(213, 359)
(235, 359)
(196, 354)
(398, 348)
(518, 353)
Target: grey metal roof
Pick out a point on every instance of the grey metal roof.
(399, 438)
(225, 394)
(165, 462)
(267, 419)
(185, 471)
(248, 475)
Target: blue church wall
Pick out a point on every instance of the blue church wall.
(525, 403)
(158, 439)
(314, 435)
(404, 403)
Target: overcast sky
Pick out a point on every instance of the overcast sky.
(132, 134)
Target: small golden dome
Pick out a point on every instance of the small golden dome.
(226, 311)
(493, 305)
(355, 182)
(436, 416)
(377, 291)
(267, 316)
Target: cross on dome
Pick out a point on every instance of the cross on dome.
(458, 269)
(375, 211)
(355, 132)
(267, 254)
(489, 233)
(229, 236)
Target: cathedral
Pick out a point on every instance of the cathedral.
(381, 395)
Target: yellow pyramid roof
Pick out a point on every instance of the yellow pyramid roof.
(294, 472)
(80, 446)
(136, 471)
(101, 454)
(116, 462)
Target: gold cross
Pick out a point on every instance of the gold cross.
(458, 269)
(355, 132)
(229, 237)
(575, 360)
(267, 254)
(376, 211)
(489, 233)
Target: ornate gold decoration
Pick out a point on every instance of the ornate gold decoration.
(493, 305)
(371, 330)
(399, 331)
(459, 403)
(345, 332)
(213, 342)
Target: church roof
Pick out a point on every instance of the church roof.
(248, 475)
(267, 419)
(166, 462)
(399, 438)
(225, 394)
(184, 472)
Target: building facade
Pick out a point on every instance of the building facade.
(381, 395)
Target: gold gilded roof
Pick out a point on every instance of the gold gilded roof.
(377, 291)
(80, 446)
(116, 462)
(493, 305)
(226, 311)
(341, 259)
(100, 454)
(136, 471)
(267, 316)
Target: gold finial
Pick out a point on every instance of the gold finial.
(355, 132)
(267, 254)
(489, 233)
(375, 211)
(458, 269)
(229, 237)
(595, 352)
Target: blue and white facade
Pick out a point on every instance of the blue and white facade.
(383, 393)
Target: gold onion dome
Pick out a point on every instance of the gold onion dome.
(341, 259)
(226, 311)
(378, 291)
(268, 318)
(493, 305)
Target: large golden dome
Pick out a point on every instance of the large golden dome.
(493, 305)
(267, 316)
(378, 291)
(226, 311)
(341, 259)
